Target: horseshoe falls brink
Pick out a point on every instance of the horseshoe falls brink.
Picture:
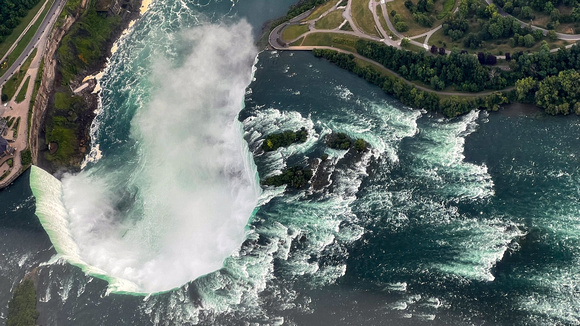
(466, 221)
(186, 186)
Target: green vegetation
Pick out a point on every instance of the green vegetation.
(298, 42)
(5, 174)
(341, 41)
(37, 82)
(12, 14)
(84, 45)
(403, 18)
(10, 162)
(326, 5)
(26, 158)
(64, 101)
(556, 94)
(415, 48)
(12, 84)
(463, 71)
(6, 40)
(477, 26)
(363, 17)
(16, 126)
(83, 48)
(10, 122)
(22, 308)
(346, 27)
(343, 141)
(447, 7)
(383, 23)
(70, 8)
(330, 21)
(339, 141)
(283, 139)
(62, 132)
(562, 15)
(294, 31)
(22, 94)
(27, 38)
(295, 177)
(408, 94)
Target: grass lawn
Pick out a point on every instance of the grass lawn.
(62, 132)
(414, 27)
(330, 21)
(22, 94)
(298, 42)
(64, 101)
(420, 39)
(415, 48)
(292, 32)
(384, 23)
(447, 8)
(346, 27)
(341, 41)
(24, 41)
(320, 10)
(363, 17)
(12, 84)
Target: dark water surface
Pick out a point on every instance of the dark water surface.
(443, 222)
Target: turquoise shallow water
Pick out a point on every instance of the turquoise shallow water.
(468, 221)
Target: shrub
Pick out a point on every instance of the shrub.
(360, 145)
(283, 139)
(339, 141)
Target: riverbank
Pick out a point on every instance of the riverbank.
(63, 116)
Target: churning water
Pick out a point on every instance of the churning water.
(473, 220)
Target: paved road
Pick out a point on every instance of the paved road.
(276, 34)
(389, 23)
(41, 33)
(32, 22)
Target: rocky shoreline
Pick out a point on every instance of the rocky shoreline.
(52, 78)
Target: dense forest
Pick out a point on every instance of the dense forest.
(547, 79)
(409, 94)
(11, 13)
(283, 139)
(295, 177)
(461, 70)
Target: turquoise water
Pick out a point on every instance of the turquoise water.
(465, 221)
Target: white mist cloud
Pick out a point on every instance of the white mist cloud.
(194, 180)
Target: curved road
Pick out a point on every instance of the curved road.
(41, 33)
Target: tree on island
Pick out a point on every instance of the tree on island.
(338, 141)
(295, 177)
(360, 145)
(283, 139)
